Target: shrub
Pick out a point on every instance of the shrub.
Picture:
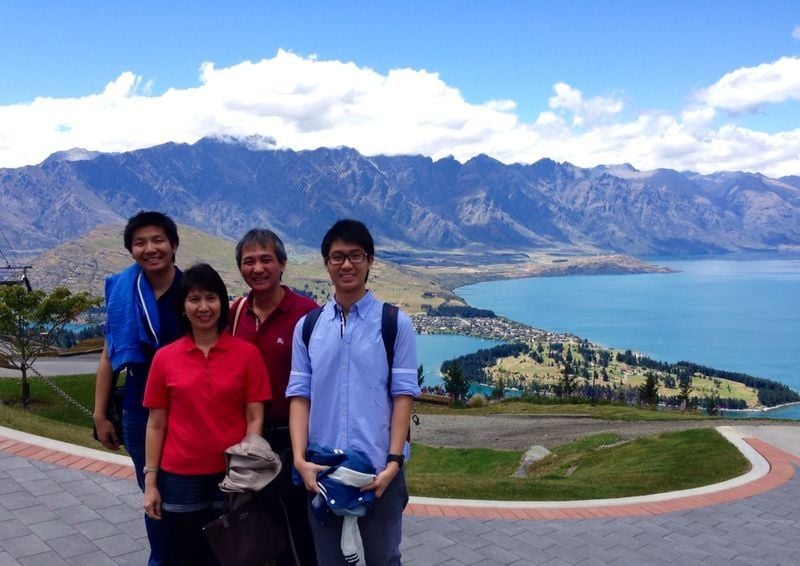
(477, 400)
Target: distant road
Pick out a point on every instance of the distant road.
(74, 365)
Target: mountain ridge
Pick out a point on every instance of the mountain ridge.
(225, 187)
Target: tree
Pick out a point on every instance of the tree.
(499, 390)
(684, 390)
(455, 382)
(712, 405)
(648, 391)
(567, 381)
(30, 322)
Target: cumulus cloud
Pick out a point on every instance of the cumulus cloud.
(749, 88)
(303, 103)
(584, 112)
(796, 33)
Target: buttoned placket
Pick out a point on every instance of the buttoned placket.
(206, 360)
(345, 334)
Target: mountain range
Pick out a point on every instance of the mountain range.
(224, 187)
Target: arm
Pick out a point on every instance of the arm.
(102, 397)
(255, 417)
(154, 443)
(299, 410)
(401, 415)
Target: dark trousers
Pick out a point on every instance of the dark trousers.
(134, 428)
(381, 529)
(293, 498)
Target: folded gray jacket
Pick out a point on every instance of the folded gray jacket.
(252, 464)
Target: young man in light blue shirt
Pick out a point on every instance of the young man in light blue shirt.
(341, 395)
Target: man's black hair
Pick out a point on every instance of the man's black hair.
(351, 232)
(204, 277)
(150, 218)
(263, 238)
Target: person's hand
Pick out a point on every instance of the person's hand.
(308, 471)
(106, 433)
(152, 502)
(383, 479)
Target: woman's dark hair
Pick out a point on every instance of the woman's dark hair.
(351, 232)
(202, 276)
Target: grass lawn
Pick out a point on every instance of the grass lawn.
(605, 412)
(50, 414)
(590, 468)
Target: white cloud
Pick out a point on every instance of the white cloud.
(796, 33)
(585, 112)
(304, 103)
(749, 88)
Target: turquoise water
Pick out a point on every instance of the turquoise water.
(433, 349)
(787, 412)
(733, 314)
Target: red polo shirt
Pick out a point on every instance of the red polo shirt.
(205, 399)
(273, 337)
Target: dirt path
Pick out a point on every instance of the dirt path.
(522, 432)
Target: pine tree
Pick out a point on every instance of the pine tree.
(648, 391)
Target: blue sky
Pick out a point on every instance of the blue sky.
(481, 78)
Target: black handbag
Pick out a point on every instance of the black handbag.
(249, 535)
(114, 409)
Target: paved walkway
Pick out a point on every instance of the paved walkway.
(61, 504)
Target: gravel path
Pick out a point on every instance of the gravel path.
(522, 432)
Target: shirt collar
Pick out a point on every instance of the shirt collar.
(283, 306)
(222, 344)
(359, 308)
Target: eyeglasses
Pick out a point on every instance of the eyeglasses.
(354, 257)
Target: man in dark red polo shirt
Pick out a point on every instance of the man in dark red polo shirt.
(267, 317)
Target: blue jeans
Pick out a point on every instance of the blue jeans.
(381, 529)
(134, 428)
(188, 503)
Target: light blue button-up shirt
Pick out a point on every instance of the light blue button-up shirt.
(344, 373)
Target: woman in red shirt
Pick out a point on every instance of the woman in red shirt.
(205, 392)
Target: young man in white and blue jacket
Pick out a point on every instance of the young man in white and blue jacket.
(141, 318)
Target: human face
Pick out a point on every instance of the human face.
(202, 308)
(152, 250)
(261, 269)
(348, 278)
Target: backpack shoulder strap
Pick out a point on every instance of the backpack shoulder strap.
(309, 323)
(389, 334)
(239, 306)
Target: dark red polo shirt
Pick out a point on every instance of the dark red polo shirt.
(273, 338)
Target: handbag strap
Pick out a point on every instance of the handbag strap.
(238, 311)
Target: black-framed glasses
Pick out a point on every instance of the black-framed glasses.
(354, 257)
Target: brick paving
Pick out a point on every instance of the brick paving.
(62, 508)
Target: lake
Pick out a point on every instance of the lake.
(734, 313)
(433, 349)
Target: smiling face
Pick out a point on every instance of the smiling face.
(202, 309)
(152, 250)
(260, 268)
(348, 278)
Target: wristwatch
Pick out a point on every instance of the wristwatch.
(399, 458)
(147, 469)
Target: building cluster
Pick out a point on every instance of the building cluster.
(491, 328)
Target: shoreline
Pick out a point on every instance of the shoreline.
(763, 409)
(495, 275)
